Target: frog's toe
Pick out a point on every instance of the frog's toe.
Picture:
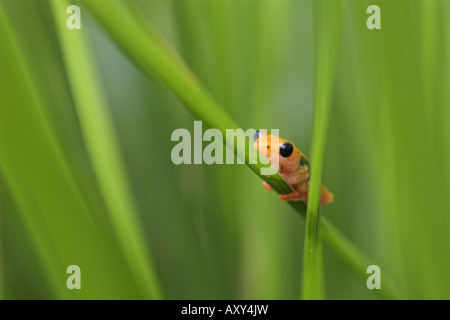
(267, 186)
(293, 196)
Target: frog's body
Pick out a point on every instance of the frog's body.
(292, 165)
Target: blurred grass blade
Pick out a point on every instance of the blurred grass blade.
(155, 57)
(103, 148)
(148, 50)
(356, 259)
(59, 219)
(327, 23)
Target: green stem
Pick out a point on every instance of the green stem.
(149, 51)
(327, 20)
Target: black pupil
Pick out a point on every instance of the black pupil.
(286, 149)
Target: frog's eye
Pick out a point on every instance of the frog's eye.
(286, 149)
(256, 135)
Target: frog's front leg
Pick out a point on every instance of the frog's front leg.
(294, 196)
(300, 193)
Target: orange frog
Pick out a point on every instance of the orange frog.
(293, 166)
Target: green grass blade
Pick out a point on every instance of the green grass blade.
(103, 149)
(356, 259)
(155, 57)
(60, 221)
(327, 22)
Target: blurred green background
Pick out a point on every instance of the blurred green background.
(141, 227)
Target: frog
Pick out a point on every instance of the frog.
(292, 165)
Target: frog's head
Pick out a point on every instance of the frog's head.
(278, 151)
